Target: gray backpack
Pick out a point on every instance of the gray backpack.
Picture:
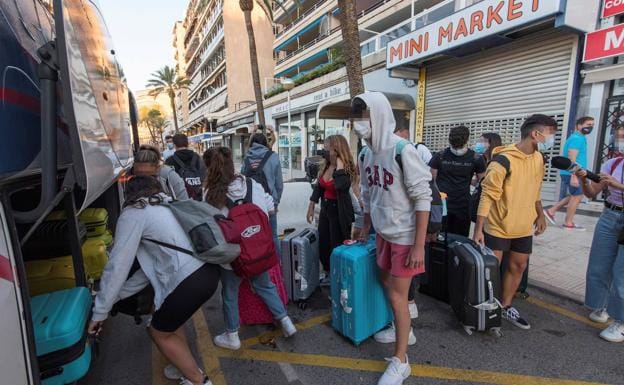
(198, 219)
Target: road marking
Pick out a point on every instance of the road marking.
(307, 324)
(158, 365)
(564, 312)
(422, 371)
(207, 349)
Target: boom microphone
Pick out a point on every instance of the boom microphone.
(563, 163)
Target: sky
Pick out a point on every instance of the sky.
(142, 34)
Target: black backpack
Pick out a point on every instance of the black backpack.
(475, 197)
(256, 171)
(191, 176)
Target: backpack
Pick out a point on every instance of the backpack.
(257, 173)
(191, 176)
(248, 226)
(475, 197)
(199, 222)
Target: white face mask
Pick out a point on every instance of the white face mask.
(459, 151)
(619, 146)
(362, 129)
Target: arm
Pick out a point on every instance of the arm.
(416, 178)
(365, 200)
(134, 284)
(176, 184)
(279, 179)
(491, 192)
(434, 165)
(314, 199)
(342, 180)
(540, 222)
(572, 154)
(417, 254)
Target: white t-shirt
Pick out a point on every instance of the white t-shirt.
(423, 153)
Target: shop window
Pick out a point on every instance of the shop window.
(294, 142)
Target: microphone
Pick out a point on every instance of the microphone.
(563, 163)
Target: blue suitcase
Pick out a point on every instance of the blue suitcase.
(60, 322)
(359, 305)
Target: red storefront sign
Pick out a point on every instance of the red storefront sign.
(612, 8)
(604, 43)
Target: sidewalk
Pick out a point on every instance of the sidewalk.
(560, 256)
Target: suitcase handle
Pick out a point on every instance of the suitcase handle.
(344, 297)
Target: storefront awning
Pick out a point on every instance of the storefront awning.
(242, 129)
(603, 74)
(338, 108)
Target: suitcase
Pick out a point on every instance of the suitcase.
(95, 257)
(51, 240)
(434, 282)
(474, 286)
(251, 308)
(524, 283)
(107, 238)
(50, 275)
(359, 305)
(96, 221)
(60, 321)
(300, 263)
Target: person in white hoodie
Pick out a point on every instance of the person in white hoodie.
(397, 200)
(223, 183)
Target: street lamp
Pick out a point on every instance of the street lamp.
(288, 85)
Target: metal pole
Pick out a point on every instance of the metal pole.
(289, 141)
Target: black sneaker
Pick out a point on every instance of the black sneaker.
(512, 315)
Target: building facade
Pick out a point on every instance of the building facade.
(181, 98)
(216, 60)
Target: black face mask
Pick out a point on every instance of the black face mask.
(324, 154)
(587, 130)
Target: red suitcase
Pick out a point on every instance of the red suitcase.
(251, 308)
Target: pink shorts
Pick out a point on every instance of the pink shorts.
(392, 257)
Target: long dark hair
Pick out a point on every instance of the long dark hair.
(219, 174)
(494, 141)
(142, 190)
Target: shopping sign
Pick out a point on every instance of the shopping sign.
(483, 19)
(604, 43)
(612, 8)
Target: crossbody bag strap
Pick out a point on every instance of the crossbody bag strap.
(170, 246)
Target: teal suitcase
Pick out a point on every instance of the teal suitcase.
(60, 322)
(359, 305)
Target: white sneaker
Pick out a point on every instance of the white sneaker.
(228, 341)
(599, 315)
(614, 333)
(184, 381)
(172, 373)
(288, 327)
(413, 310)
(388, 336)
(396, 372)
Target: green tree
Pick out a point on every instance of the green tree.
(166, 80)
(153, 119)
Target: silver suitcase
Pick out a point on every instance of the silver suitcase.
(300, 263)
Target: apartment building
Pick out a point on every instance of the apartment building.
(181, 98)
(216, 60)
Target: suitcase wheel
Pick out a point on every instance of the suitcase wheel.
(468, 329)
(496, 332)
(303, 304)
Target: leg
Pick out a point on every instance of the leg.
(573, 203)
(559, 205)
(458, 223)
(564, 198)
(335, 232)
(268, 292)
(229, 292)
(176, 351)
(602, 255)
(616, 297)
(517, 264)
(397, 291)
(324, 238)
(273, 222)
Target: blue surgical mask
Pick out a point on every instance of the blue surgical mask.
(170, 146)
(480, 148)
(547, 144)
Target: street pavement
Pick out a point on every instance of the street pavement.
(563, 347)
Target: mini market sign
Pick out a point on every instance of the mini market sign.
(483, 19)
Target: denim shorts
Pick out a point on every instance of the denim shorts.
(568, 189)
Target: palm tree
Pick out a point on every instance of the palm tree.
(351, 46)
(167, 80)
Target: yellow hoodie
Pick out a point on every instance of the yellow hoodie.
(508, 201)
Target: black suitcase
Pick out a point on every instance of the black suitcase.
(524, 284)
(434, 282)
(51, 240)
(474, 286)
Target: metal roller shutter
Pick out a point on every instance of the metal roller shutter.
(496, 90)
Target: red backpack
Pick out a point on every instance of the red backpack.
(248, 226)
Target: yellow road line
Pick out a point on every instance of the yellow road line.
(307, 324)
(422, 371)
(158, 364)
(207, 350)
(564, 312)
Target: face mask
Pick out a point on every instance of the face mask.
(587, 130)
(170, 146)
(362, 129)
(619, 146)
(480, 148)
(459, 151)
(547, 144)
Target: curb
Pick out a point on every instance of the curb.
(557, 292)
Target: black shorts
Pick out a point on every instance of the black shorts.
(186, 298)
(522, 245)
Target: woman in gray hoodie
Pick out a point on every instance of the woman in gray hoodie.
(182, 283)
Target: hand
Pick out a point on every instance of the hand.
(608, 180)
(363, 235)
(416, 258)
(540, 225)
(339, 164)
(431, 237)
(95, 328)
(580, 173)
(479, 238)
(310, 215)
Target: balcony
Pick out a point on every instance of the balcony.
(207, 47)
(297, 21)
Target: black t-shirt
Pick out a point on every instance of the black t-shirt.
(455, 175)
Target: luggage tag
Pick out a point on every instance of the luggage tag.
(350, 242)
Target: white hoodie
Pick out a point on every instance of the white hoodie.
(391, 196)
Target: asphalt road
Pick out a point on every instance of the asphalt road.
(563, 347)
